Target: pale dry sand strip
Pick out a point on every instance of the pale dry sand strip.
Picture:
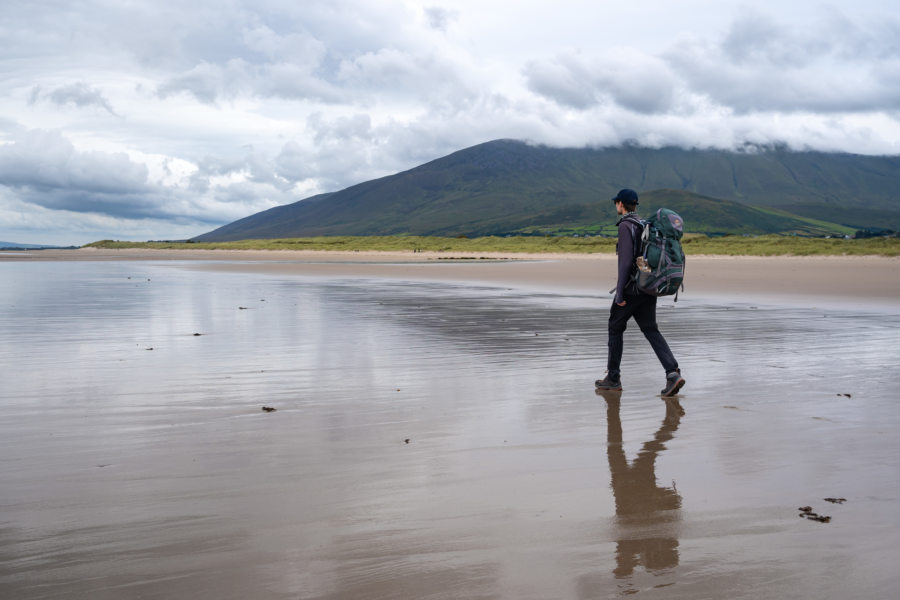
(848, 279)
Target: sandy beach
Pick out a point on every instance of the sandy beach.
(436, 432)
(868, 280)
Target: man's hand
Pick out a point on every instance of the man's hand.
(622, 303)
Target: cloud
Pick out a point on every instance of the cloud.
(44, 169)
(440, 18)
(832, 66)
(422, 78)
(348, 54)
(210, 82)
(21, 221)
(565, 80)
(79, 94)
(629, 78)
(57, 176)
(338, 154)
(299, 48)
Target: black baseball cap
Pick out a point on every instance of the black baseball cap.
(626, 196)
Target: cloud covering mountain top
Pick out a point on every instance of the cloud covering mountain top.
(161, 119)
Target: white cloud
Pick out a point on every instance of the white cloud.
(632, 79)
(832, 66)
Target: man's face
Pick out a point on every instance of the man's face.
(620, 209)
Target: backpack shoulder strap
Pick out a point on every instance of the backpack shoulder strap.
(632, 219)
(639, 232)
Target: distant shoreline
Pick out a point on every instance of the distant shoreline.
(90, 253)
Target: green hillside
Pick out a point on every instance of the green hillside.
(700, 213)
(506, 186)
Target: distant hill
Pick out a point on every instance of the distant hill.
(15, 246)
(507, 186)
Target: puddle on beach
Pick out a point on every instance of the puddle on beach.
(430, 440)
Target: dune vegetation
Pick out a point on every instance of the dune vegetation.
(767, 245)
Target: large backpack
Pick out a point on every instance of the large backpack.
(663, 271)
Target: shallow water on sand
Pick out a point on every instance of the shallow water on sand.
(431, 441)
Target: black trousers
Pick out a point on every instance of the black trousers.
(643, 308)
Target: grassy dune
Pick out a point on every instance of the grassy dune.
(770, 245)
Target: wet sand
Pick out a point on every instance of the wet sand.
(437, 434)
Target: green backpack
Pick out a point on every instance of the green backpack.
(660, 264)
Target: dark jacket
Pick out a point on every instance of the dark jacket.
(627, 247)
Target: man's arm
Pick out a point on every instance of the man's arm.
(626, 260)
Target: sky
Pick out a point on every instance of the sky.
(145, 120)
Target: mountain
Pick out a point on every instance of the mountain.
(15, 246)
(702, 214)
(507, 186)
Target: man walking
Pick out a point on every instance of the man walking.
(629, 302)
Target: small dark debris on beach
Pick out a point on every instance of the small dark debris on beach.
(269, 408)
(150, 348)
(807, 511)
(845, 395)
(406, 441)
(242, 308)
(197, 334)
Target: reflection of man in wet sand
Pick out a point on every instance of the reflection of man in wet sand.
(644, 510)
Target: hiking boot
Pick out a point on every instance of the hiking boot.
(609, 383)
(674, 382)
